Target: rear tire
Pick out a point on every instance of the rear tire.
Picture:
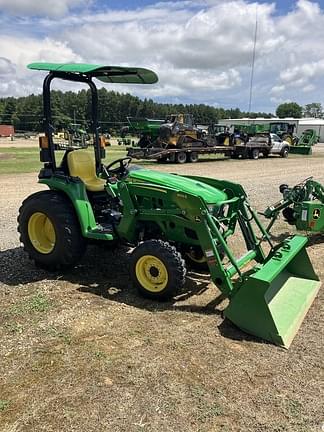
(288, 138)
(192, 157)
(50, 231)
(181, 158)
(157, 270)
(254, 154)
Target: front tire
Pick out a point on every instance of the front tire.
(196, 259)
(157, 270)
(284, 152)
(50, 231)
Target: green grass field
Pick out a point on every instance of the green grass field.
(14, 160)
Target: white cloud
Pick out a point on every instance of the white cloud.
(201, 49)
(300, 74)
(278, 89)
(6, 67)
(51, 8)
(18, 52)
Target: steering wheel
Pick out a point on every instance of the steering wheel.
(119, 171)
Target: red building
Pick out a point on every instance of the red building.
(6, 130)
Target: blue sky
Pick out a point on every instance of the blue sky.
(282, 5)
(201, 49)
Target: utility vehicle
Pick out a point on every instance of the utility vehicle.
(164, 217)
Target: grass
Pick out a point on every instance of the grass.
(4, 404)
(19, 160)
(62, 335)
(13, 327)
(15, 160)
(38, 303)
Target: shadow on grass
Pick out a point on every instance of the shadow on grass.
(105, 273)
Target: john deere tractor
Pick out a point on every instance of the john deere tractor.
(163, 217)
(285, 131)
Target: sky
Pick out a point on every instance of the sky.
(201, 49)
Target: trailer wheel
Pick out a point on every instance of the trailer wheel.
(181, 157)
(157, 269)
(284, 152)
(192, 157)
(254, 154)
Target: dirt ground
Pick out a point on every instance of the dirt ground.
(18, 142)
(82, 351)
(6, 142)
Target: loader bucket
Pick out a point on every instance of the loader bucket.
(303, 150)
(273, 301)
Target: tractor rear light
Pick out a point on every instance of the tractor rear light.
(43, 142)
(44, 154)
(102, 141)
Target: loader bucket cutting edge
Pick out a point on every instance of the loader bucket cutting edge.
(273, 301)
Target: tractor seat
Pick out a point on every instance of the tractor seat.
(81, 164)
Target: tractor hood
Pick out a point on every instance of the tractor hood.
(208, 193)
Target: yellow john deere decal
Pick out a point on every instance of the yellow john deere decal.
(316, 213)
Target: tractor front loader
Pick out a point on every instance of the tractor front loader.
(302, 205)
(165, 218)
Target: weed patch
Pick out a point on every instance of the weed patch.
(38, 303)
(4, 405)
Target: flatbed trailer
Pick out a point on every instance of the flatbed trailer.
(249, 150)
(177, 155)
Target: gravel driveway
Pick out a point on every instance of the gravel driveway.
(81, 351)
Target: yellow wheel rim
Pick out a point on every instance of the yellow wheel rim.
(41, 233)
(151, 273)
(289, 140)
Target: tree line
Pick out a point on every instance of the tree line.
(25, 113)
(292, 109)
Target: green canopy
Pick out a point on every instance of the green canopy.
(108, 74)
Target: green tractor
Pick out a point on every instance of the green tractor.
(147, 129)
(164, 217)
(284, 130)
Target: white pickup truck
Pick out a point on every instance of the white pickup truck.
(265, 144)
